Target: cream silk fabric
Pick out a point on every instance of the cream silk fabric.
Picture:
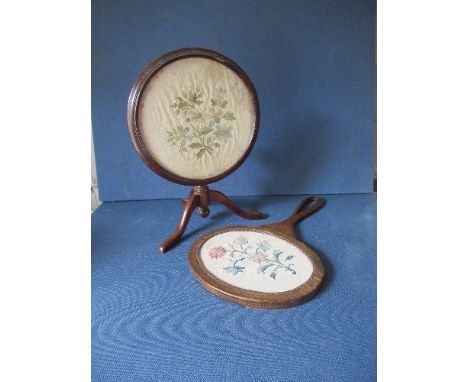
(264, 262)
(212, 81)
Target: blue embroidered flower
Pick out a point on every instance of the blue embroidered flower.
(264, 245)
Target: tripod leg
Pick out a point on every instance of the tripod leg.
(190, 204)
(219, 197)
(186, 199)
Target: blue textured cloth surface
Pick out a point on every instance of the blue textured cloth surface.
(312, 62)
(151, 321)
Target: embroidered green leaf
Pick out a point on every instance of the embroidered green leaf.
(205, 130)
(195, 145)
(273, 275)
(193, 96)
(178, 135)
(290, 257)
(181, 104)
(229, 116)
(200, 153)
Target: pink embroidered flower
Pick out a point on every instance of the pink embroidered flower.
(258, 257)
(217, 252)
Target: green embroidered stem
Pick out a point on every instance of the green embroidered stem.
(235, 262)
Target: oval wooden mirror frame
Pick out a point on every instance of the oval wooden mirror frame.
(283, 231)
(250, 298)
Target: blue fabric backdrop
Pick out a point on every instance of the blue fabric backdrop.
(312, 62)
(151, 321)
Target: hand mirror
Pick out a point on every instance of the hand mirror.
(193, 118)
(261, 267)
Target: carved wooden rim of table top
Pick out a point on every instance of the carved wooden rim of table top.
(133, 105)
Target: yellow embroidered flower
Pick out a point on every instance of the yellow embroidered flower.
(240, 240)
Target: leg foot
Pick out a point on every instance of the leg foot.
(190, 204)
(204, 212)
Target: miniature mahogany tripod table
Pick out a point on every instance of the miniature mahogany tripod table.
(193, 118)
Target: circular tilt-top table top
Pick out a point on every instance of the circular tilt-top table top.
(193, 116)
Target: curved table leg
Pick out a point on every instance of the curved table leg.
(219, 197)
(190, 204)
